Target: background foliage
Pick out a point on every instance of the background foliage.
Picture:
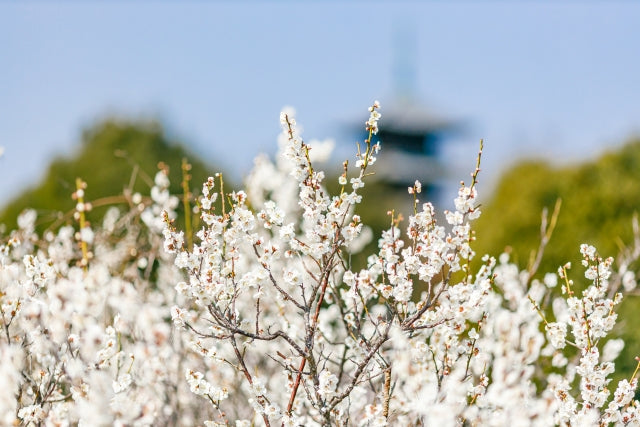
(599, 200)
(113, 155)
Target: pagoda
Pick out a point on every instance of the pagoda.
(411, 135)
(411, 138)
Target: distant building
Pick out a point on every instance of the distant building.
(411, 138)
(411, 135)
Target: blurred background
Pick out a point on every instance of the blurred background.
(106, 90)
(554, 80)
(82, 83)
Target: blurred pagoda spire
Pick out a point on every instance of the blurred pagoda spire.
(411, 134)
(404, 66)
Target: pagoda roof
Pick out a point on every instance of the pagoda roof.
(405, 115)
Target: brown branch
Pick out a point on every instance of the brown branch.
(546, 230)
(387, 393)
(361, 367)
(284, 294)
(245, 371)
(309, 344)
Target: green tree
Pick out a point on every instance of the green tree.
(599, 199)
(114, 155)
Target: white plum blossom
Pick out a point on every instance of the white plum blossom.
(557, 333)
(32, 414)
(260, 315)
(328, 382)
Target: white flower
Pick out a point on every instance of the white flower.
(122, 383)
(328, 382)
(272, 411)
(31, 414)
(178, 316)
(356, 183)
(372, 123)
(557, 333)
(612, 349)
(320, 151)
(27, 219)
(258, 387)
(205, 202)
(550, 280)
(86, 235)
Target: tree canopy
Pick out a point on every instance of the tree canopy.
(113, 155)
(599, 200)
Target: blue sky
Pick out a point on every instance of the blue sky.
(557, 80)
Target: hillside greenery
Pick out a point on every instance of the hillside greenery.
(599, 200)
(114, 157)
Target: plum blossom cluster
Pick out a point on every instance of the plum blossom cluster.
(413, 338)
(259, 316)
(85, 338)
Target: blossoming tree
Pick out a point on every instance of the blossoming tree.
(260, 318)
